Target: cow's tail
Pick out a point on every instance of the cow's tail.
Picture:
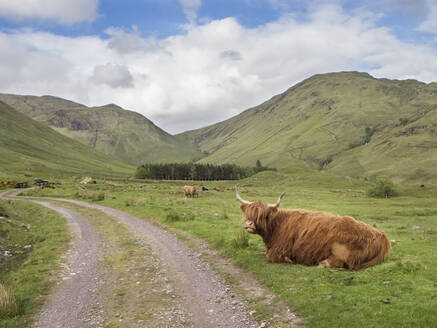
(381, 249)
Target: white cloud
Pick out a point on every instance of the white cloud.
(211, 72)
(430, 24)
(60, 11)
(116, 76)
(190, 8)
(231, 54)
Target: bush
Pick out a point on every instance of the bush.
(368, 133)
(91, 195)
(99, 196)
(7, 303)
(241, 239)
(172, 216)
(324, 162)
(403, 121)
(383, 188)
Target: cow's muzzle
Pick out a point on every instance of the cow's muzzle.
(249, 226)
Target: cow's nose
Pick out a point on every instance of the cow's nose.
(248, 224)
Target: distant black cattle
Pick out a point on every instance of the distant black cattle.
(21, 185)
(40, 182)
(204, 188)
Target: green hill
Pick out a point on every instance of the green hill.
(348, 123)
(27, 146)
(110, 129)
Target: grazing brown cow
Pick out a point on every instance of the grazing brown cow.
(191, 191)
(314, 238)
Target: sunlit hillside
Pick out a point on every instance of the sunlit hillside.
(348, 123)
(27, 146)
(110, 129)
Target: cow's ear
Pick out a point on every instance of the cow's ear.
(271, 212)
(243, 208)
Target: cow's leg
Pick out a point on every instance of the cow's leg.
(274, 257)
(324, 264)
(332, 262)
(287, 259)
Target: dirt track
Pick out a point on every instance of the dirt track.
(69, 305)
(208, 300)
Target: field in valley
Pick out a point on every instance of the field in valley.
(401, 292)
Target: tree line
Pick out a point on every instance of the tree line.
(190, 171)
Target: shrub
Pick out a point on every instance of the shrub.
(7, 303)
(383, 188)
(324, 162)
(99, 196)
(129, 202)
(368, 133)
(403, 121)
(241, 239)
(172, 216)
(91, 195)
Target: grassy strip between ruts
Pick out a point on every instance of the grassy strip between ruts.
(34, 239)
(401, 292)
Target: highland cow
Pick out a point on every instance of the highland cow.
(314, 238)
(191, 191)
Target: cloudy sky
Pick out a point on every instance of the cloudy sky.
(185, 64)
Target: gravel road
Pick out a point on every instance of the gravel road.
(69, 305)
(210, 302)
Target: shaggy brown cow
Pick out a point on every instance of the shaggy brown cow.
(314, 238)
(191, 191)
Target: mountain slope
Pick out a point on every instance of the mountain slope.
(27, 146)
(110, 129)
(322, 121)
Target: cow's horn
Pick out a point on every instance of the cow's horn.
(278, 202)
(242, 201)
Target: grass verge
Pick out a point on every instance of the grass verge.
(32, 241)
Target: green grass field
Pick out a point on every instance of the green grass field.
(35, 238)
(401, 292)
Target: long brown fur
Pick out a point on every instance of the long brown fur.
(316, 238)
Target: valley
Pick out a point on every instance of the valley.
(327, 141)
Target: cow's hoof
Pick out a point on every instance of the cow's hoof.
(287, 259)
(324, 264)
